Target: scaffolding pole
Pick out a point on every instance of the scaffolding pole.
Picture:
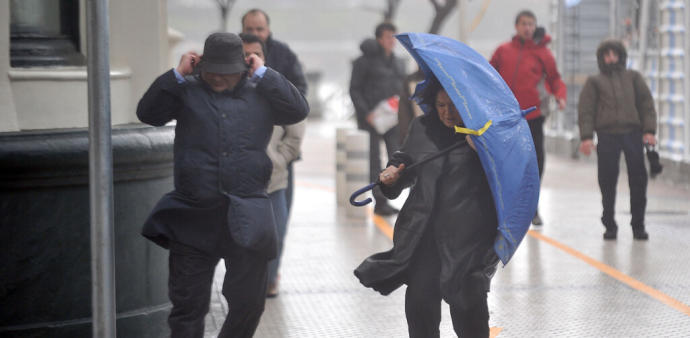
(100, 170)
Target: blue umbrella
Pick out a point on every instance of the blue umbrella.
(492, 116)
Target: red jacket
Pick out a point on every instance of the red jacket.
(523, 65)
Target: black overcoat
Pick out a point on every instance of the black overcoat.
(219, 154)
(450, 194)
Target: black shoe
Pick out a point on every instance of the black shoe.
(536, 220)
(640, 234)
(610, 234)
(385, 210)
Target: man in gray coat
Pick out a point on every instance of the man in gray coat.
(618, 106)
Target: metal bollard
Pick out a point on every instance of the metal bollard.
(356, 169)
(341, 192)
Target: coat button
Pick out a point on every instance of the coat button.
(225, 153)
(223, 115)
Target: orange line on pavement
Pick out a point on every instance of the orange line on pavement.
(632, 282)
(383, 225)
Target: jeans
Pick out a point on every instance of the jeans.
(280, 210)
(609, 150)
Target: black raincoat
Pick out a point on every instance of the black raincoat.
(450, 195)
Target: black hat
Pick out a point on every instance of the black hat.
(223, 54)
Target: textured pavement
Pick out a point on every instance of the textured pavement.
(564, 280)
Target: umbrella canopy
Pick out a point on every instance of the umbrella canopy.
(492, 116)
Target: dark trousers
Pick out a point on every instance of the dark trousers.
(390, 138)
(423, 298)
(189, 288)
(536, 127)
(609, 150)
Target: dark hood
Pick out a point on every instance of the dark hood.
(370, 47)
(540, 41)
(616, 46)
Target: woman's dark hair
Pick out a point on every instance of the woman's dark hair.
(428, 96)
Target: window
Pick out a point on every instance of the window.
(44, 33)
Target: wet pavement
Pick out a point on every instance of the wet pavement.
(564, 280)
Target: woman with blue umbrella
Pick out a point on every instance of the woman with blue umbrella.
(445, 232)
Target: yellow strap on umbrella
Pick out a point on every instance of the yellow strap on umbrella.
(461, 130)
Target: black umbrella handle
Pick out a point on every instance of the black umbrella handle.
(353, 197)
(435, 156)
(360, 191)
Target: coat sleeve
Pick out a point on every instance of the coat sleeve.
(357, 81)
(291, 142)
(586, 109)
(644, 102)
(553, 77)
(288, 106)
(161, 102)
(295, 74)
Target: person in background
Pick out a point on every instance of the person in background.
(283, 149)
(618, 106)
(524, 63)
(225, 113)
(280, 57)
(377, 75)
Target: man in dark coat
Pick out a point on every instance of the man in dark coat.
(617, 104)
(376, 76)
(444, 235)
(280, 57)
(526, 64)
(219, 208)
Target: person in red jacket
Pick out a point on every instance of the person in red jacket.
(526, 64)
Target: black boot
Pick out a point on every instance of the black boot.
(639, 233)
(611, 229)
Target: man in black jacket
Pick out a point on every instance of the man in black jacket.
(377, 75)
(219, 207)
(280, 57)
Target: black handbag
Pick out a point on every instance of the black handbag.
(252, 224)
(655, 166)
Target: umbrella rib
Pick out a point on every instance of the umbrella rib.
(455, 87)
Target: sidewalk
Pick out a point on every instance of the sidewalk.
(563, 281)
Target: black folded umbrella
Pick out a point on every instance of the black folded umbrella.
(655, 166)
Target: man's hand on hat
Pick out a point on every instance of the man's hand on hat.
(253, 62)
(188, 61)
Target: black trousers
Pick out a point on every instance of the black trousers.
(609, 150)
(189, 288)
(423, 298)
(390, 138)
(536, 127)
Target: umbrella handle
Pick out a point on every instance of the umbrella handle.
(528, 110)
(359, 192)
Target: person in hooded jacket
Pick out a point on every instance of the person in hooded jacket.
(444, 234)
(526, 65)
(618, 106)
(376, 76)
